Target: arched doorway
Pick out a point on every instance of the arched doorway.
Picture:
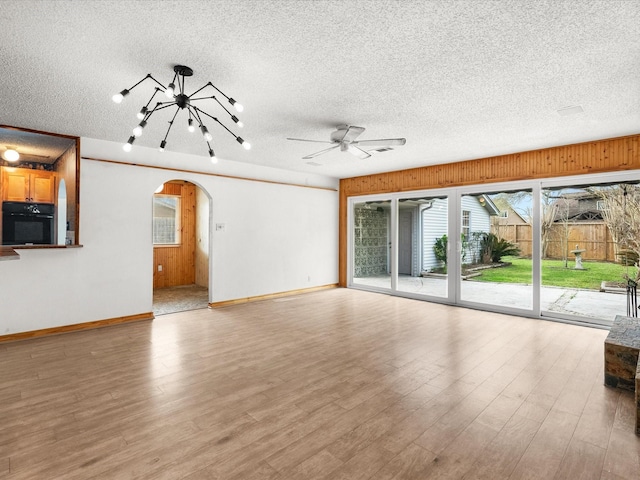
(181, 247)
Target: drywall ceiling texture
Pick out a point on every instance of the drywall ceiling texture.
(457, 79)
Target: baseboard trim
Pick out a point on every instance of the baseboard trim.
(45, 332)
(270, 296)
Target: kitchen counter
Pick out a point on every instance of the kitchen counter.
(9, 253)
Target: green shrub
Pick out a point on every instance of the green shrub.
(494, 248)
(440, 250)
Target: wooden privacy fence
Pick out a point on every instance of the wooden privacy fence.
(593, 237)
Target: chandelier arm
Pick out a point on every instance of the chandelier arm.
(200, 89)
(140, 81)
(220, 91)
(154, 94)
(161, 106)
(215, 119)
(196, 115)
(151, 77)
(171, 124)
(225, 108)
(200, 98)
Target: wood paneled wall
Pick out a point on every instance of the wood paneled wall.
(591, 157)
(67, 169)
(178, 262)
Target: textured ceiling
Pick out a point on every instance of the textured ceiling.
(458, 79)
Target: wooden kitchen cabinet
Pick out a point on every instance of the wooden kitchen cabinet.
(26, 185)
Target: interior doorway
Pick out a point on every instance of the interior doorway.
(181, 247)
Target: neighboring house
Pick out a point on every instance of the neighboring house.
(578, 207)
(506, 214)
(476, 218)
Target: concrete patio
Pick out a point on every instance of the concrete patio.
(590, 304)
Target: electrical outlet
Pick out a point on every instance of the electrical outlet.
(159, 268)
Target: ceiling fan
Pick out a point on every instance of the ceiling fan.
(345, 138)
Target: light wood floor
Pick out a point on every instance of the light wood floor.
(339, 384)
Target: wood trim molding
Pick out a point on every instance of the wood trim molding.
(233, 177)
(76, 327)
(258, 298)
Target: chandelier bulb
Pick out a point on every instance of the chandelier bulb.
(142, 113)
(191, 126)
(127, 146)
(169, 92)
(214, 159)
(163, 144)
(237, 121)
(205, 133)
(118, 97)
(238, 106)
(138, 130)
(241, 141)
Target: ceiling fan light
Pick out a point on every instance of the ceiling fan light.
(118, 97)
(11, 155)
(238, 106)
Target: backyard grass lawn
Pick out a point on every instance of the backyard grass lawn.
(555, 274)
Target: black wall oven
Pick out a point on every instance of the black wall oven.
(28, 223)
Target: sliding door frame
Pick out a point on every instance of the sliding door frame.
(454, 195)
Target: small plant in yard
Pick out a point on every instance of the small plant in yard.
(440, 251)
(494, 248)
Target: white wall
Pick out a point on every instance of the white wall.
(277, 238)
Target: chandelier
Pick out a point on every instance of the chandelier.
(177, 98)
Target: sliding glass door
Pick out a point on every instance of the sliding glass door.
(565, 249)
(371, 249)
(589, 250)
(495, 248)
(423, 228)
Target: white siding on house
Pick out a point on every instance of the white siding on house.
(480, 221)
(434, 226)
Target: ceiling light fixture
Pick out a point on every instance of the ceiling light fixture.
(175, 92)
(11, 155)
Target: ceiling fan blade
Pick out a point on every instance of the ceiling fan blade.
(352, 133)
(320, 152)
(358, 152)
(383, 142)
(305, 140)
